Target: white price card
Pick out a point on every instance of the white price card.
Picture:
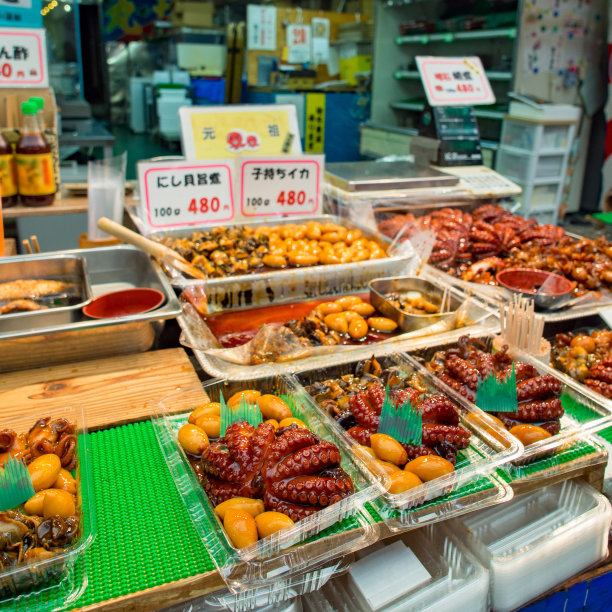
(176, 194)
(261, 28)
(23, 57)
(455, 81)
(298, 43)
(289, 185)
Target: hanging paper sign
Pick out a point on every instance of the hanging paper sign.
(280, 185)
(261, 28)
(216, 132)
(455, 81)
(298, 43)
(176, 194)
(23, 58)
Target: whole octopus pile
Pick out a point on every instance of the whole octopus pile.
(587, 358)
(475, 246)
(46, 523)
(355, 400)
(263, 479)
(229, 251)
(539, 407)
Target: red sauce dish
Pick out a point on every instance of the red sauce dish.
(124, 303)
(546, 287)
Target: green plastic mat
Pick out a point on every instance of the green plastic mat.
(606, 434)
(145, 537)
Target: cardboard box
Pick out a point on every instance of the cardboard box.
(11, 118)
(193, 14)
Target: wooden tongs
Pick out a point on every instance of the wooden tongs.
(162, 253)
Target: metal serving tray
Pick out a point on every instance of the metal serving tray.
(485, 322)
(107, 269)
(263, 288)
(67, 268)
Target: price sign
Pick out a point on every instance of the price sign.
(176, 194)
(23, 58)
(298, 43)
(455, 81)
(280, 185)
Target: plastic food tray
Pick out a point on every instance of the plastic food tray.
(552, 329)
(295, 283)
(584, 412)
(271, 558)
(458, 581)
(482, 316)
(537, 540)
(56, 576)
(486, 452)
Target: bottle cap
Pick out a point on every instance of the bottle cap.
(40, 102)
(29, 108)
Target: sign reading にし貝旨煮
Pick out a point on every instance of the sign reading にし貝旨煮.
(455, 81)
(23, 57)
(182, 193)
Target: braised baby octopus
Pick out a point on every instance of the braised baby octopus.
(292, 469)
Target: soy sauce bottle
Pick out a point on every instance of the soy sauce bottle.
(8, 174)
(34, 161)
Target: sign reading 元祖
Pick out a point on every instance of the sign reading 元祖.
(23, 58)
(455, 81)
(181, 193)
(218, 132)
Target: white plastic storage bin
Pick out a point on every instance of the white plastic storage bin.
(522, 166)
(538, 540)
(425, 570)
(528, 136)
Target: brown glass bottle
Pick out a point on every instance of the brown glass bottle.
(34, 162)
(8, 174)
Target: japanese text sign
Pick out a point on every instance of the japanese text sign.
(261, 28)
(298, 43)
(455, 81)
(21, 13)
(23, 58)
(289, 185)
(177, 194)
(218, 132)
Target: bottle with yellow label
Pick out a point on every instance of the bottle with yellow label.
(8, 174)
(34, 162)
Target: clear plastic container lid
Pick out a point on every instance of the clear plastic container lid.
(538, 540)
(54, 583)
(490, 445)
(449, 577)
(274, 557)
(584, 413)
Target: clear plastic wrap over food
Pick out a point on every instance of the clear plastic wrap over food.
(489, 445)
(583, 412)
(276, 343)
(293, 550)
(52, 581)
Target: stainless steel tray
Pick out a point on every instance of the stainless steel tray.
(108, 269)
(49, 267)
(295, 283)
(485, 319)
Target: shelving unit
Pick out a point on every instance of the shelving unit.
(397, 94)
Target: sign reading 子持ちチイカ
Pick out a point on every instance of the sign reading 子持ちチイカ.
(455, 81)
(23, 58)
(288, 185)
(177, 194)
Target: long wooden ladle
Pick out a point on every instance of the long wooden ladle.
(161, 252)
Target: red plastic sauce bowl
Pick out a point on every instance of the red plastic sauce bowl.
(547, 288)
(124, 303)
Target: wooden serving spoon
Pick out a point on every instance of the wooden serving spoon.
(161, 252)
